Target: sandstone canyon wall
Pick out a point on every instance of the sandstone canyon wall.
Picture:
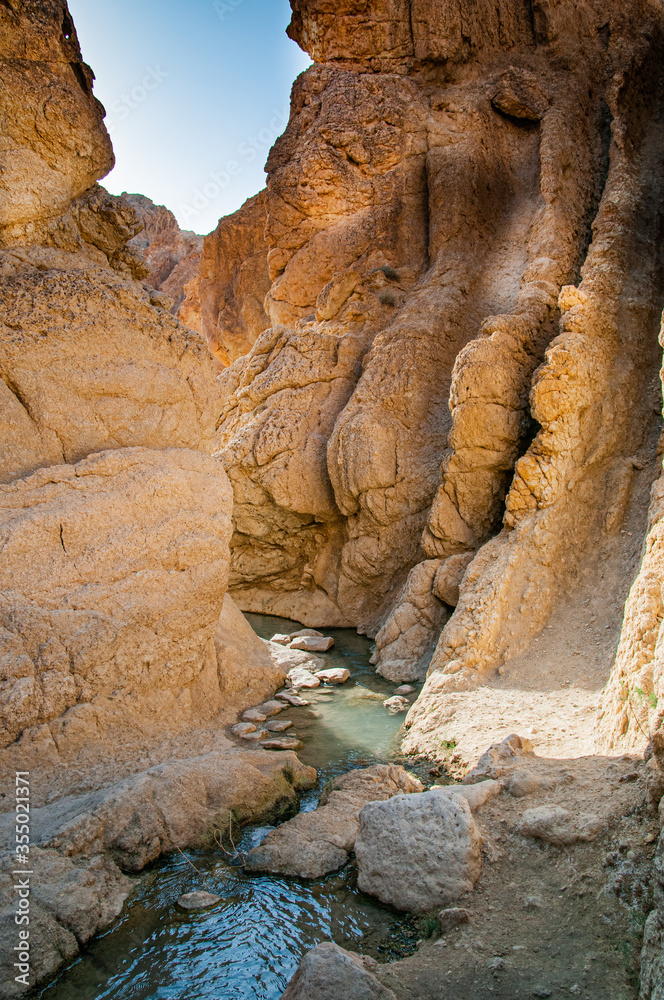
(173, 256)
(121, 656)
(234, 281)
(114, 517)
(459, 383)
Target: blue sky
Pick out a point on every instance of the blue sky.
(195, 92)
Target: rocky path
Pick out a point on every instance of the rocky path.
(559, 907)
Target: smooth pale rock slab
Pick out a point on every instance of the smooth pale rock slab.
(403, 690)
(556, 825)
(416, 852)
(281, 743)
(254, 715)
(281, 639)
(300, 677)
(198, 900)
(257, 735)
(286, 658)
(475, 795)
(272, 707)
(396, 704)
(278, 726)
(335, 675)
(292, 699)
(313, 643)
(243, 728)
(305, 632)
(328, 972)
(312, 844)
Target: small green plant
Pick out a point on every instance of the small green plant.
(429, 926)
(651, 697)
(626, 698)
(449, 745)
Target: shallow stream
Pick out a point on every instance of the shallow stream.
(249, 945)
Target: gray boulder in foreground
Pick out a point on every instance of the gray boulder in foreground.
(416, 852)
(328, 972)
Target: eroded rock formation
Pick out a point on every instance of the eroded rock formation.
(173, 256)
(234, 281)
(462, 325)
(120, 649)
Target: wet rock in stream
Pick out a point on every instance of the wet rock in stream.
(198, 900)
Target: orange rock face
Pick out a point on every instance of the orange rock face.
(234, 282)
(446, 190)
(53, 145)
(173, 256)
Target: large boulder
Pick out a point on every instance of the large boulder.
(314, 843)
(328, 972)
(112, 574)
(178, 803)
(54, 144)
(87, 360)
(418, 851)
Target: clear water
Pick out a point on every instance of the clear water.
(249, 945)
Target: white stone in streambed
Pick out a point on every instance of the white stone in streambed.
(281, 639)
(404, 690)
(313, 643)
(335, 675)
(292, 699)
(258, 735)
(300, 677)
(396, 704)
(475, 795)
(328, 972)
(282, 743)
(198, 900)
(286, 658)
(278, 726)
(271, 707)
(305, 631)
(243, 728)
(417, 852)
(253, 715)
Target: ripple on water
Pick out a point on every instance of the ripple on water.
(248, 946)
